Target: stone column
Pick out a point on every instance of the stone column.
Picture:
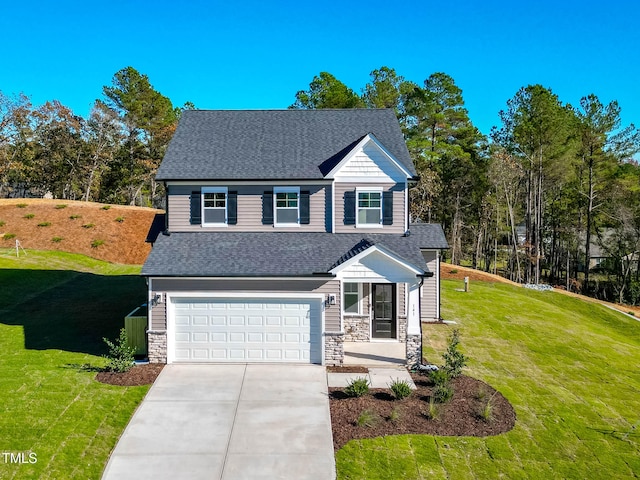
(333, 348)
(157, 340)
(414, 350)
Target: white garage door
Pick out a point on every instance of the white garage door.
(247, 330)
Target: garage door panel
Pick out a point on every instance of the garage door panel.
(274, 330)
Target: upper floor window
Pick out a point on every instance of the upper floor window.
(369, 207)
(287, 206)
(214, 206)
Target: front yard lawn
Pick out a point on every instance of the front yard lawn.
(54, 310)
(570, 368)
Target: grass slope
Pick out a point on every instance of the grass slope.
(570, 369)
(54, 310)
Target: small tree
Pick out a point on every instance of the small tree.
(454, 360)
(120, 358)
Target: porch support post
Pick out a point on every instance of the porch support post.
(414, 330)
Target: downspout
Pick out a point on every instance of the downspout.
(421, 366)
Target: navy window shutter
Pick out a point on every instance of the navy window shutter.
(350, 208)
(267, 208)
(195, 209)
(304, 208)
(232, 208)
(387, 208)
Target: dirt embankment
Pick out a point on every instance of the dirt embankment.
(114, 233)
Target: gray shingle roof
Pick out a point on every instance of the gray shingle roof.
(235, 254)
(273, 144)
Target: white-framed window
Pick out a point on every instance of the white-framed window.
(369, 207)
(286, 209)
(214, 206)
(351, 297)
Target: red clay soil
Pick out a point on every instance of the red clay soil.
(461, 416)
(456, 272)
(122, 229)
(137, 375)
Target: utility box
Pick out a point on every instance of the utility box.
(135, 324)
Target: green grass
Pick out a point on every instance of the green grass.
(55, 308)
(570, 369)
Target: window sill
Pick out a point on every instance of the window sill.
(214, 225)
(369, 225)
(286, 225)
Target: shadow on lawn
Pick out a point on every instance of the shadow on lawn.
(75, 313)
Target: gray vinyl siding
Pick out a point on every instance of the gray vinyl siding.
(158, 315)
(249, 209)
(429, 300)
(254, 288)
(402, 300)
(399, 193)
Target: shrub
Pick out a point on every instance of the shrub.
(61, 206)
(453, 271)
(88, 225)
(486, 412)
(2, 223)
(481, 395)
(357, 387)
(97, 243)
(44, 224)
(442, 393)
(106, 207)
(120, 357)
(439, 377)
(367, 419)
(73, 217)
(433, 413)
(9, 236)
(394, 416)
(454, 360)
(400, 388)
(21, 205)
(29, 216)
(56, 239)
(120, 219)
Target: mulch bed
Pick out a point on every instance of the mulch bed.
(461, 416)
(138, 375)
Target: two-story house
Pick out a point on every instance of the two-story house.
(287, 236)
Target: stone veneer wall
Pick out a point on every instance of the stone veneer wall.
(157, 346)
(356, 328)
(414, 350)
(402, 329)
(333, 348)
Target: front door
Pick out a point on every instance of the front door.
(384, 311)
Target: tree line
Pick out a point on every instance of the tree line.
(532, 200)
(111, 156)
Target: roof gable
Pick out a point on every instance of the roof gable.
(377, 262)
(275, 144)
(369, 160)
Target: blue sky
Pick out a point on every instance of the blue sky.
(257, 54)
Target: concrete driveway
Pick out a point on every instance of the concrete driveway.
(229, 422)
